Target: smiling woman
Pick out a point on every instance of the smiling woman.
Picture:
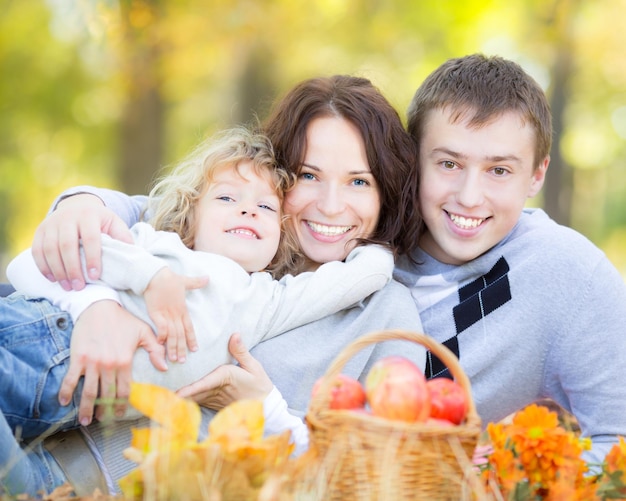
(356, 167)
(355, 181)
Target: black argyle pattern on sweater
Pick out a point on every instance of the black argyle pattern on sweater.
(476, 300)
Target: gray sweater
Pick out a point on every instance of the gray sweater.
(294, 360)
(540, 315)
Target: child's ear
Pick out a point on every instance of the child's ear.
(538, 177)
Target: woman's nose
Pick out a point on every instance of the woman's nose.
(330, 201)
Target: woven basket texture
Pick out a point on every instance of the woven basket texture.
(363, 457)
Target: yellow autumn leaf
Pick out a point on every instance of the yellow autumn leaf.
(154, 438)
(237, 423)
(131, 485)
(232, 463)
(258, 459)
(179, 416)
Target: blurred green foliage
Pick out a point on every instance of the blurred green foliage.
(108, 92)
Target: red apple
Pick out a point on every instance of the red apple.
(345, 393)
(396, 389)
(447, 400)
(362, 410)
(444, 423)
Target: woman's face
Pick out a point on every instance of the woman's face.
(335, 199)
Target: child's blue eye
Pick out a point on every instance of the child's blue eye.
(226, 198)
(268, 207)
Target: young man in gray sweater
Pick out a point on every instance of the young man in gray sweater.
(533, 309)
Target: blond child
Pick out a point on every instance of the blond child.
(218, 214)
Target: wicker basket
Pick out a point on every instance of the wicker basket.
(364, 457)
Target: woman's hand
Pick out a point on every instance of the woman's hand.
(104, 341)
(229, 383)
(79, 218)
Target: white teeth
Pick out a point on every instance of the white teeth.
(465, 222)
(243, 232)
(329, 231)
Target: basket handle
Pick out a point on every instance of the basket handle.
(321, 400)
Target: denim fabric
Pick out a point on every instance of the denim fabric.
(34, 358)
(26, 468)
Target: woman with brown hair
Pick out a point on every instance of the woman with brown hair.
(356, 181)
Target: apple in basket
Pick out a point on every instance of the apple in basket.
(441, 423)
(396, 389)
(447, 400)
(345, 393)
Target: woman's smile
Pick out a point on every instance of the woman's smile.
(328, 230)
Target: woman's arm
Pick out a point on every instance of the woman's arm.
(81, 215)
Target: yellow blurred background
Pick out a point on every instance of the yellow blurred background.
(108, 92)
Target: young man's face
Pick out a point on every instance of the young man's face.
(474, 183)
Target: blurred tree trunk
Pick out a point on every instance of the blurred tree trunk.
(257, 86)
(559, 179)
(141, 126)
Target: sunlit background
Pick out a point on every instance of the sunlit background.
(108, 92)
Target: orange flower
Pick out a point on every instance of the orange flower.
(536, 453)
(563, 490)
(507, 470)
(536, 418)
(616, 458)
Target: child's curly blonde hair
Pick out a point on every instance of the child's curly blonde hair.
(173, 199)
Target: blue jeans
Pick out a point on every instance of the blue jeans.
(26, 468)
(34, 358)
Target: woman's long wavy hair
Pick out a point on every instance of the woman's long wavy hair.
(391, 151)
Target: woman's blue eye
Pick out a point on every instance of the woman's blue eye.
(307, 175)
(361, 182)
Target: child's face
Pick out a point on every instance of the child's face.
(474, 183)
(239, 217)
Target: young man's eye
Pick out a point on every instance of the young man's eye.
(447, 164)
(499, 171)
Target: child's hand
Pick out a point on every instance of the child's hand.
(165, 301)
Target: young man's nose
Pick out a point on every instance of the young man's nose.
(469, 192)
